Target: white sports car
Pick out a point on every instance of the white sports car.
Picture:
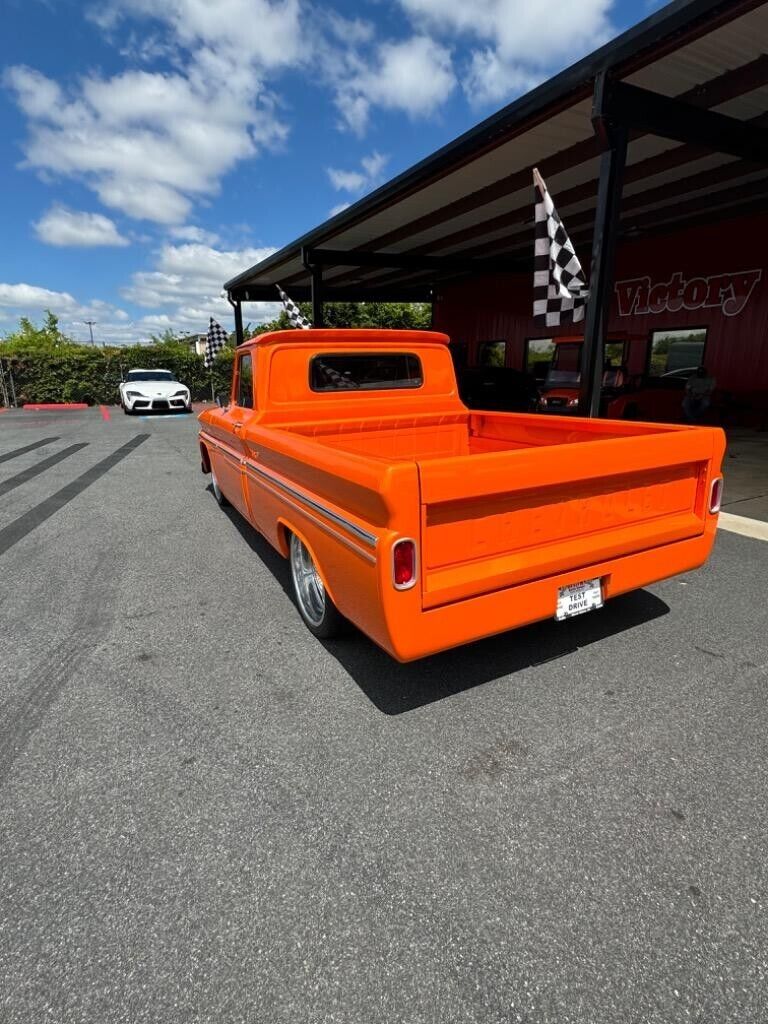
(153, 390)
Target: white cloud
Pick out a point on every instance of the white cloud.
(151, 143)
(147, 143)
(350, 31)
(113, 324)
(33, 297)
(60, 226)
(346, 181)
(190, 276)
(338, 209)
(180, 293)
(371, 168)
(522, 42)
(414, 76)
(263, 32)
(193, 233)
(491, 79)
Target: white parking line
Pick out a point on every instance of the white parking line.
(740, 524)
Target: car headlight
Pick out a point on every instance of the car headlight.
(180, 394)
(573, 402)
(133, 394)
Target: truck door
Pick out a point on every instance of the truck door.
(227, 464)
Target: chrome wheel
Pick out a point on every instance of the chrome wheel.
(310, 592)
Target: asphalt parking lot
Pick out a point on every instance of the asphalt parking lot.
(206, 815)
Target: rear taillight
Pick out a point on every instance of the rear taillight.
(404, 564)
(716, 494)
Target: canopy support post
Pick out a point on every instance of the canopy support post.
(601, 278)
(237, 306)
(315, 268)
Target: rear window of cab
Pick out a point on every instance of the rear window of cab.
(370, 371)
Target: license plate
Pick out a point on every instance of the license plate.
(578, 598)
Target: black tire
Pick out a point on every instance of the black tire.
(217, 492)
(321, 616)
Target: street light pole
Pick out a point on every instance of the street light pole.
(90, 327)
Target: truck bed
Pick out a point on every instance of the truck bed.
(509, 498)
(422, 437)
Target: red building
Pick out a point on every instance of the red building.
(704, 280)
(705, 288)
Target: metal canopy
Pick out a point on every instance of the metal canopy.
(690, 84)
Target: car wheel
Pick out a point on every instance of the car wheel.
(217, 492)
(320, 614)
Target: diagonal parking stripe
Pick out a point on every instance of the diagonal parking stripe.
(27, 448)
(28, 522)
(40, 467)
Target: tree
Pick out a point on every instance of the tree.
(28, 337)
(168, 337)
(393, 315)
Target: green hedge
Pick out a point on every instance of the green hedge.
(85, 374)
(48, 366)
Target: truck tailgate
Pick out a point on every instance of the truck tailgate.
(494, 520)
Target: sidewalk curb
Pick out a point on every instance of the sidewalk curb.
(741, 524)
(44, 406)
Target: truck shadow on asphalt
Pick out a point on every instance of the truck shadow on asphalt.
(395, 689)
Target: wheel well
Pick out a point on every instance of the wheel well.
(284, 538)
(284, 531)
(205, 459)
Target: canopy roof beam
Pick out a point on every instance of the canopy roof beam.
(401, 261)
(642, 110)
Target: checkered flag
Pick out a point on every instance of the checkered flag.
(215, 342)
(293, 311)
(560, 292)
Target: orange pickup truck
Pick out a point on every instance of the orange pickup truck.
(429, 525)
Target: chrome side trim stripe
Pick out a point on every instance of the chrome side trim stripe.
(369, 539)
(351, 545)
(362, 535)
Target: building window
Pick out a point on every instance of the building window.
(615, 353)
(676, 353)
(492, 353)
(538, 356)
(378, 371)
(245, 383)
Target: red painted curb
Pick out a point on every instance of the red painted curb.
(56, 405)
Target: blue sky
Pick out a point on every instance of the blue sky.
(154, 148)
